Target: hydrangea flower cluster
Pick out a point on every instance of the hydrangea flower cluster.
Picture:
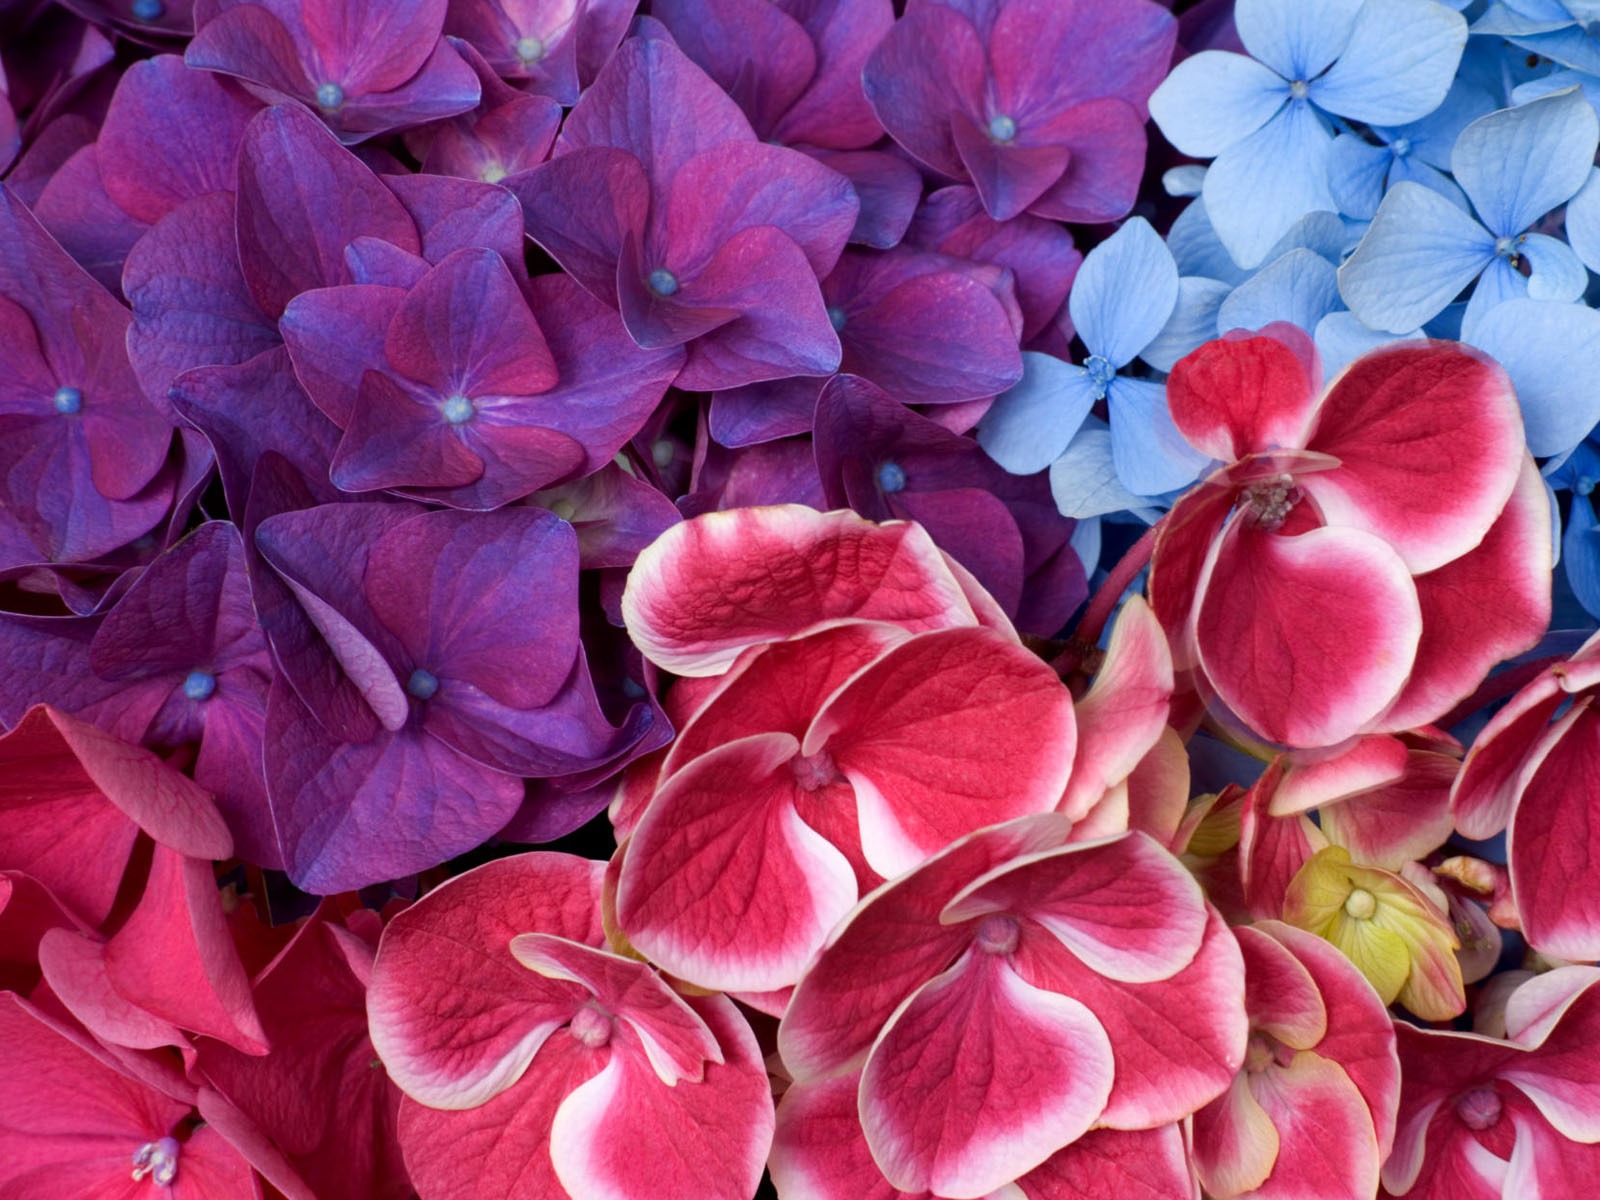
(1028, 568)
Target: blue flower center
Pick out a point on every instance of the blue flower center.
(1101, 373)
(148, 10)
(458, 410)
(663, 282)
(1506, 247)
(67, 401)
(1299, 89)
(329, 96)
(1002, 128)
(159, 1160)
(529, 49)
(1401, 147)
(422, 684)
(891, 477)
(836, 317)
(199, 685)
(493, 173)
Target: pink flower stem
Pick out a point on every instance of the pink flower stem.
(1083, 647)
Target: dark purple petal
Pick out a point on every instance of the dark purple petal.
(191, 306)
(75, 207)
(396, 438)
(334, 337)
(1009, 173)
(353, 814)
(887, 187)
(653, 103)
(754, 50)
(744, 185)
(783, 327)
(761, 412)
(931, 63)
(250, 409)
(302, 198)
(452, 214)
(1106, 139)
(486, 600)
(614, 514)
(582, 207)
(171, 134)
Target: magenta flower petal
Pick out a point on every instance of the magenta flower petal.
(979, 1078)
(456, 942)
(723, 883)
(889, 946)
(678, 604)
(1409, 396)
(1331, 621)
(919, 733)
(931, 61)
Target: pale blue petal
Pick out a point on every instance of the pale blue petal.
(1214, 100)
(1414, 170)
(1356, 174)
(1341, 339)
(1583, 221)
(1084, 481)
(1296, 39)
(1558, 273)
(1193, 323)
(1499, 282)
(1031, 424)
(1301, 288)
(1323, 232)
(1420, 251)
(1151, 456)
(1519, 163)
(1198, 251)
(1256, 191)
(1124, 292)
(1398, 65)
(1571, 47)
(1432, 138)
(1183, 181)
(1558, 81)
(1525, 17)
(1556, 549)
(1580, 548)
(1085, 539)
(1552, 353)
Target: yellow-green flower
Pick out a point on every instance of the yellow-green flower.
(1387, 927)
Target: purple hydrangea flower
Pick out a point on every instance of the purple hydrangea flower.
(1040, 104)
(661, 202)
(548, 47)
(364, 66)
(894, 313)
(459, 632)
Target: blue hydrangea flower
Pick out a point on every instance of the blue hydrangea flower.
(1360, 172)
(1564, 31)
(1121, 300)
(1266, 118)
(1515, 165)
(1579, 473)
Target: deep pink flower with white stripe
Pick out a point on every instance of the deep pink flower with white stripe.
(536, 1063)
(1012, 994)
(1363, 556)
(1485, 1119)
(1320, 1084)
(1531, 772)
(823, 762)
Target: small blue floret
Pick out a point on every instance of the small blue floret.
(892, 477)
(663, 282)
(422, 684)
(67, 400)
(458, 410)
(1002, 128)
(148, 10)
(199, 685)
(330, 96)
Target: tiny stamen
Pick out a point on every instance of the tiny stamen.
(1270, 503)
(159, 1160)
